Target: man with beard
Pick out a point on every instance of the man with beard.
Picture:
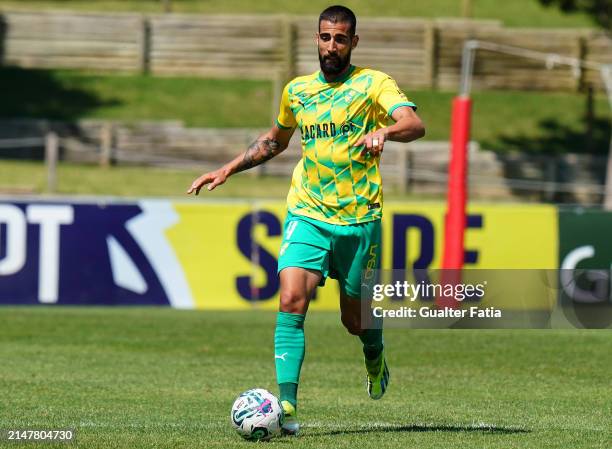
(345, 115)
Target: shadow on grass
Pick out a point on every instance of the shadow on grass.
(43, 94)
(427, 428)
(558, 138)
(35, 102)
(545, 158)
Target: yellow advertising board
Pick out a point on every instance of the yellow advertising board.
(228, 251)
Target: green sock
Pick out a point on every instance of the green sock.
(372, 340)
(289, 348)
(288, 392)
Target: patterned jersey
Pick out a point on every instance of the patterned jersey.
(333, 182)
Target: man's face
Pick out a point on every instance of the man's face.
(335, 45)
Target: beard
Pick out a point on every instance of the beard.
(334, 64)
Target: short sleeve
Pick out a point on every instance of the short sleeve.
(286, 119)
(390, 97)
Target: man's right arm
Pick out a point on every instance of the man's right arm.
(264, 148)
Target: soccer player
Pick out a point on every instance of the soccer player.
(345, 115)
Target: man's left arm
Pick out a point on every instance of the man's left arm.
(407, 127)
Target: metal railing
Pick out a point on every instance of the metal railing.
(401, 173)
(50, 143)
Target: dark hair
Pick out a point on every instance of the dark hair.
(342, 14)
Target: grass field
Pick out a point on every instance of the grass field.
(71, 94)
(516, 13)
(29, 177)
(142, 378)
(508, 120)
(76, 179)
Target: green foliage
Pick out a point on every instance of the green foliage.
(600, 11)
(152, 377)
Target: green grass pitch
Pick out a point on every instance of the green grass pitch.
(151, 377)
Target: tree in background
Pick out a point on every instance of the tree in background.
(600, 11)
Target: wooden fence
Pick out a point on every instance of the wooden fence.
(420, 167)
(418, 53)
(97, 41)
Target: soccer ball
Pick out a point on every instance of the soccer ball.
(257, 415)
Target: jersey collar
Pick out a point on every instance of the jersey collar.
(346, 76)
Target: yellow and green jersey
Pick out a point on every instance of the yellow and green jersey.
(333, 182)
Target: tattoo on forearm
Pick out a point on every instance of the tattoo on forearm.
(259, 152)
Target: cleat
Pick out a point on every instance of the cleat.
(377, 379)
(290, 426)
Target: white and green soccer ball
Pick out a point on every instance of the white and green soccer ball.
(257, 415)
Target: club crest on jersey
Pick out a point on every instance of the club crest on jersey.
(348, 97)
(327, 130)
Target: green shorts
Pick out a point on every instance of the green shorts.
(341, 252)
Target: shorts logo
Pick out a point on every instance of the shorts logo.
(371, 265)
